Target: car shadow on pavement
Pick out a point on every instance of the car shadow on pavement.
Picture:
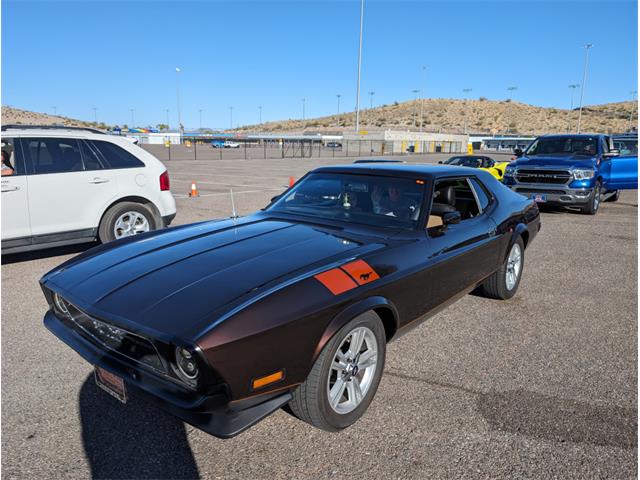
(135, 440)
(47, 252)
(523, 412)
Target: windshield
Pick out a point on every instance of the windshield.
(473, 162)
(564, 146)
(626, 146)
(365, 199)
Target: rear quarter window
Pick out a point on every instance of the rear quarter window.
(116, 156)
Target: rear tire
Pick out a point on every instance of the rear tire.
(332, 397)
(594, 200)
(504, 283)
(134, 217)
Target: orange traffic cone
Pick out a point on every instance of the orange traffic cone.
(194, 190)
(292, 181)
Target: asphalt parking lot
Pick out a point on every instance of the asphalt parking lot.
(541, 386)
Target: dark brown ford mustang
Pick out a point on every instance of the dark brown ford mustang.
(223, 322)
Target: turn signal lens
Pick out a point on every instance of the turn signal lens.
(61, 304)
(263, 381)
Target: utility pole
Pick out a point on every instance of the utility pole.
(424, 69)
(359, 68)
(573, 87)
(200, 112)
(167, 112)
(180, 128)
(587, 47)
(415, 106)
(338, 95)
(133, 121)
(95, 115)
(511, 90)
(633, 108)
(259, 114)
(466, 107)
(304, 101)
(230, 118)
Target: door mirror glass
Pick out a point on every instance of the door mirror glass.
(518, 152)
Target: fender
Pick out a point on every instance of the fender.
(351, 312)
(520, 229)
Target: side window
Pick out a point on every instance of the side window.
(452, 195)
(481, 194)
(90, 158)
(9, 155)
(53, 155)
(116, 156)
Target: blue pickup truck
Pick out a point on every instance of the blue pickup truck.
(576, 171)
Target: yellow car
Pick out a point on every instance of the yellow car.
(479, 161)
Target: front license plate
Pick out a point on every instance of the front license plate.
(110, 383)
(539, 197)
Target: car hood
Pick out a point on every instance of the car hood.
(556, 161)
(169, 284)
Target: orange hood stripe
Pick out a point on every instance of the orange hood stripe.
(336, 281)
(361, 272)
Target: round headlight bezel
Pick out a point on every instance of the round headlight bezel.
(185, 355)
(61, 304)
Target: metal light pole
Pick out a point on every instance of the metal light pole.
(178, 98)
(573, 87)
(167, 112)
(55, 110)
(587, 47)
(633, 107)
(415, 107)
(359, 68)
(133, 121)
(338, 95)
(304, 101)
(466, 107)
(95, 115)
(230, 118)
(371, 94)
(511, 90)
(259, 114)
(200, 112)
(424, 69)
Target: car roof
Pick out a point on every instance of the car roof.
(572, 135)
(52, 131)
(397, 169)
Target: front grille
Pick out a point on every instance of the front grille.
(132, 346)
(556, 177)
(540, 190)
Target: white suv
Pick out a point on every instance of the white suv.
(66, 185)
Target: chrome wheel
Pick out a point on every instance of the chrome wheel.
(352, 370)
(514, 266)
(596, 198)
(130, 223)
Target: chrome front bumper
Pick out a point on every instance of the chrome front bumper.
(557, 194)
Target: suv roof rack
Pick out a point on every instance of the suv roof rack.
(48, 127)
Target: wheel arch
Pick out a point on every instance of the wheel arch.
(520, 230)
(381, 306)
(135, 199)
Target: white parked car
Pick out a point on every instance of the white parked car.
(73, 185)
(230, 144)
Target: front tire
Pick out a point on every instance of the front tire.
(345, 377)
(594, 200)
(504, 283)
(614, 198)
(126, 219)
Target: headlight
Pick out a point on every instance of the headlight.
(510, 170)
(583, 173)
(186, 363)
(61, 304)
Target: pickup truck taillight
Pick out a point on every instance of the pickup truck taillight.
(164, 181)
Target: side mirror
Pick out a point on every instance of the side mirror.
(518, 152)
(273, 199)
(451, 218)
(439, 161)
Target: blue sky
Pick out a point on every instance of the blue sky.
(121, 55)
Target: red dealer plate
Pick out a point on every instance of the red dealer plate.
(110, 383)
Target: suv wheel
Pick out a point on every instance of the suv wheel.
(125, 220)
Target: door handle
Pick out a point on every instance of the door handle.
(97, 180)
(10, 188)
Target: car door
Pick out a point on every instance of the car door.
(16, 229)
(624, 168)
(64, 196)
(465, 253)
